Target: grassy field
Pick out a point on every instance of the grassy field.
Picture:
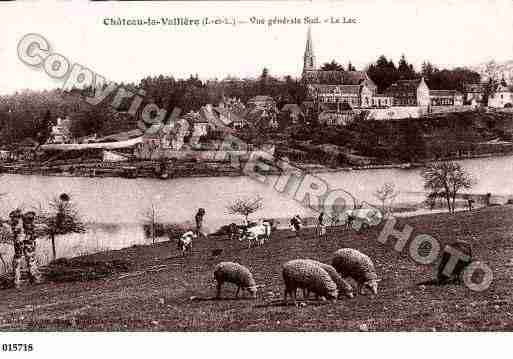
(167, 292)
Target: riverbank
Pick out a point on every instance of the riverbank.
(166, 292)
(176, 169)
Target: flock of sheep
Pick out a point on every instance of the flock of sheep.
(324, 280)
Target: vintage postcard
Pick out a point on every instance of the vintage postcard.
(243, 166)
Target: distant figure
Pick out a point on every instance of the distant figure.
(349, 220)
(321, 226)
(487, 199)
(295, 223)
(25, 246)
(199, 222)
(470, 201)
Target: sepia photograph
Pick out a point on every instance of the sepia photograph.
(273, 166)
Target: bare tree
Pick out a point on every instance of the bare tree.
(151, 219)
(445, 180)
(386, 194)
(245, 206)
(61, 218)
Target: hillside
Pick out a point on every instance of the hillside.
(495, 70)
(178, 294)
(448, 136)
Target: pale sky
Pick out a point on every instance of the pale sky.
(448, 33)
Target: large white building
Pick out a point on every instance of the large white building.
(501, 97)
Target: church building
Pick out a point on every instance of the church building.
(337, 90)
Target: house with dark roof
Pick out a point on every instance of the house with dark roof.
(230, 118)
(262, 110)
(335, 94)
(473, 94)
(409, 93)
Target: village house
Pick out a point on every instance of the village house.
(474, 94)
(294, 112)
(200, 124)
(262, 110)
(382, 101)
(261, 102)
(336, 118)
(501, 97)
(409, 93)
(231, 112)
(446, 98)
(230, 119)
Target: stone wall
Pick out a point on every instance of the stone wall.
(396, 112)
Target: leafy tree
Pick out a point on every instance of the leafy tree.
(44, 127)
(245, 206)
(383, 73)
(332, 66)
(428, 69)
(445, 180)
(405, 70)
(489, 90)
(453, 79)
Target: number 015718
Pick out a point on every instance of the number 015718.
(17, 347)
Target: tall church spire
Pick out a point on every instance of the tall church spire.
(309, 58)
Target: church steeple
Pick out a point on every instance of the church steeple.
(309, 58)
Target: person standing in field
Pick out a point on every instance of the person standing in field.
(199, 222)
(295, 223)
(321, 227)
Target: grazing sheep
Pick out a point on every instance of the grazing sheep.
(237, 274)
(305, 274)
(352, 263)
(342, 285)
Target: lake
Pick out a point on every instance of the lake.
(114, 208)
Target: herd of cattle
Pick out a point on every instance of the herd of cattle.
(257, 233)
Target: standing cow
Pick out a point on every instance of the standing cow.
(185, 242)
(258, 233)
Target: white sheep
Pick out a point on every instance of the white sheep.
(304, 274)
(342, 285)
(352, 263)
(235, 273)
